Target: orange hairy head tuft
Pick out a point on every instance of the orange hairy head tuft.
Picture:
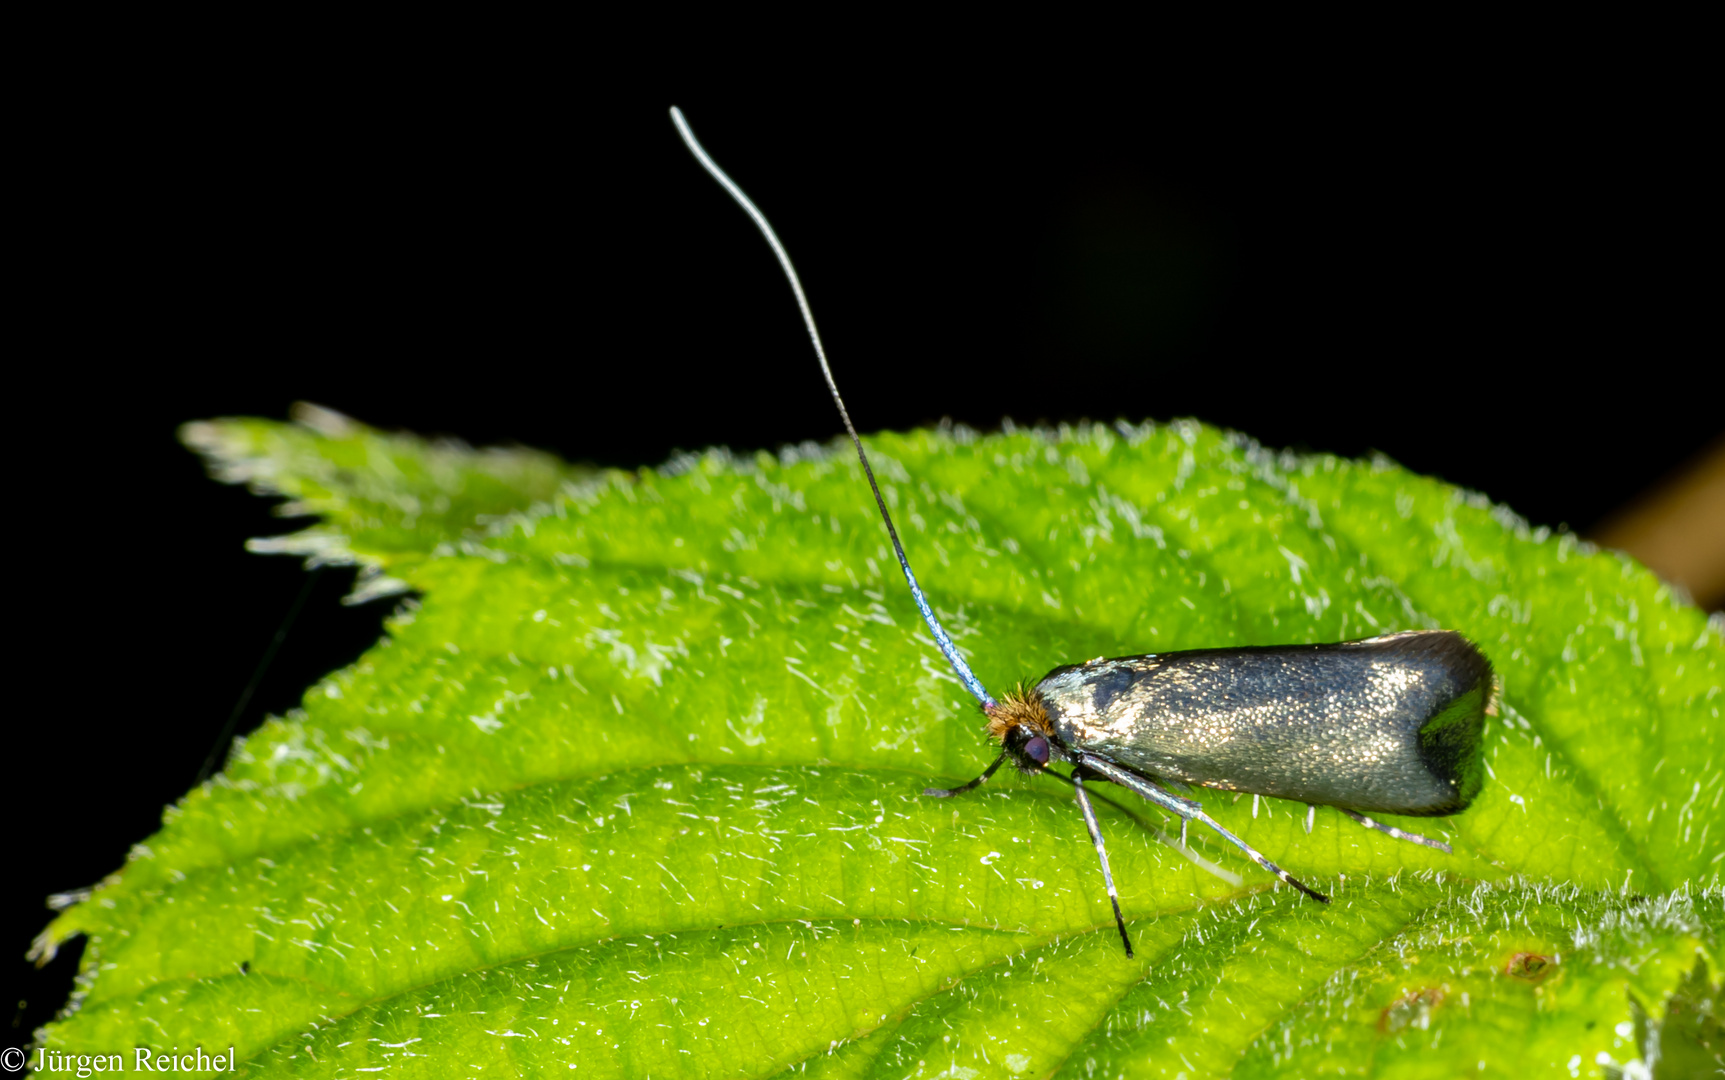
(1023, 705)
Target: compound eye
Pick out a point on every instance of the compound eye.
(1037, 750)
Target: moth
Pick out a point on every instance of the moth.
(1390, 724)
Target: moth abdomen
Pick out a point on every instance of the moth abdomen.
(1390, 724)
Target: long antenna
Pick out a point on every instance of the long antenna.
(941, 639)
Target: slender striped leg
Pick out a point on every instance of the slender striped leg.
(943, 793)
(1149, 789)
(1187, 808)
(1101, 853)
(1399, 834)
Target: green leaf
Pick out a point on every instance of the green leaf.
(633, 787)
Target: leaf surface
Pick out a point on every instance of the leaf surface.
(633, 786)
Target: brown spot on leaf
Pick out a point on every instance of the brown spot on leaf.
(1530, 966)
(1412, 1010)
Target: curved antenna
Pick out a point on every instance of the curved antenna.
(947, 648)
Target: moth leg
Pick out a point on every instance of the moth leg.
(943, 793)
(1253, 854)
(1399, 834)
(1188, 808)
(1150, 790)
(1101, 853)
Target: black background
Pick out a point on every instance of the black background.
(1496, 285)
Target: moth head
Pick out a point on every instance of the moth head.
(1020, 721)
